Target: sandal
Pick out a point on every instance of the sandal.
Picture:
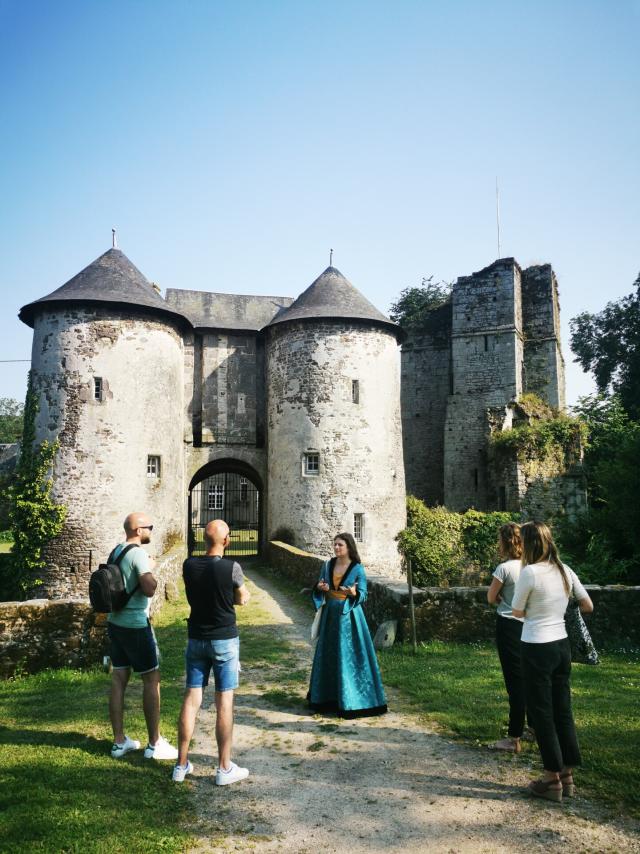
(550, 790)
(568, 786)
(506, 745)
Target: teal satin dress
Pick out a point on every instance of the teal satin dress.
(345, 677)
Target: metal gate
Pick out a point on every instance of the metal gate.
(233, 498)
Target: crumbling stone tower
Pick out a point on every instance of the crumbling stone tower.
(497, 338)
(334, 439)
(107, 364)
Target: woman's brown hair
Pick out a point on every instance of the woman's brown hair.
(537, 545)
(351, 546)
(510, 541)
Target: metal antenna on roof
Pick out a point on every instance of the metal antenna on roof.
(114, 242)
(331, 257)
(498, 214)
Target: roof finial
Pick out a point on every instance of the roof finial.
(114, 242)
(331, 257)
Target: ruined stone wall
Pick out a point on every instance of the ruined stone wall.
(543, 368)
(101, 471)
(229, 380)
(486, 368)
(43, 633)
(310, 369)
(426, 380)
(461, 613)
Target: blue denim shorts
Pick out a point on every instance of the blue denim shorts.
(135, 648)
(223, 656)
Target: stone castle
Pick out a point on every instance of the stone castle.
(286, 417)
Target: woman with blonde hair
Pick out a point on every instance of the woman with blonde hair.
(508, 632)
(541, 597)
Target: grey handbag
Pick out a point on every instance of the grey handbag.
(582, 649)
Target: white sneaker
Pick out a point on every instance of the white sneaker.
(181, 771)
(160, 750)
(233, 775)
(119, 750)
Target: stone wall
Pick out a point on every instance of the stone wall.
(426, 380)
(41, 633)
(311, 368)
(543, 368)
(461, 613)
(106, 436)
(486, 366)
(229, 378)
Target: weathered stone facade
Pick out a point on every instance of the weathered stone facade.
(496, 339)
(311, 371)
(106, 435)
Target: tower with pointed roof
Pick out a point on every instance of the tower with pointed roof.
(334, 447)
(107, 367)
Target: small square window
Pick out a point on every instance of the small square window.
(358, 527)
(97, 388)
(153, 466)
(311, 464)
(355, 391)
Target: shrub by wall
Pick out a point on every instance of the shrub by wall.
(448, 548)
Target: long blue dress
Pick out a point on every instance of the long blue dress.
(345, 677)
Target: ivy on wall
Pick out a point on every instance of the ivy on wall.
(542, 434)
(34, 516)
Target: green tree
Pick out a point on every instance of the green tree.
(608, 345)
(415, 303)
(34, 516)
(11, 416)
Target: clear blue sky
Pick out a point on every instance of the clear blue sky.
(233, 143)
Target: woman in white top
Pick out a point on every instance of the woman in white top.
(541, 597)
(508, 632)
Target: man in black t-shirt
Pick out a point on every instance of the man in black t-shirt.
(214, 585)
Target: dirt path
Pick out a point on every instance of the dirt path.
(377, 784)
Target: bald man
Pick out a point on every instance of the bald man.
(133, 643)
(214, 585)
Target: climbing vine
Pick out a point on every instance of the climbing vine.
(34, 516)
(547, 434)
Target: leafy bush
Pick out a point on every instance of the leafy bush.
(480, 537)
(448, 548)
(6, 537)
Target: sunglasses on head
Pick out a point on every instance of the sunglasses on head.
(148, 527)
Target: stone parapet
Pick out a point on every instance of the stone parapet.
(42, 633)
(461, 613)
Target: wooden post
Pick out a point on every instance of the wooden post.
(412, 612)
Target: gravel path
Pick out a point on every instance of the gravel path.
(375, 784)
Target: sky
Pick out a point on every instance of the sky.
(233, 143)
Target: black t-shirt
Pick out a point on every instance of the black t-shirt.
(210, 583)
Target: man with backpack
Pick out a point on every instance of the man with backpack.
(133, 643)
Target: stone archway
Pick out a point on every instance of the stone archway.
(231, 490)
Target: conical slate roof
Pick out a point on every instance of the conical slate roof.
(333, 297)
(111, 279)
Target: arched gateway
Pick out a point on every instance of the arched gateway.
(231, 490)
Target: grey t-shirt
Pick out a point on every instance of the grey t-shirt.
(508, 573)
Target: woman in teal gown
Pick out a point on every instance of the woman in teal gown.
(345, 677)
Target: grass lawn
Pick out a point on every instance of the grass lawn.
(460, 687)
(5, 548)
(59, 788)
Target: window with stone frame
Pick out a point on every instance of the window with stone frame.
(153, 466)
(311, 463)
(358, 527)
(97, 388)
(355, 391)
(215, 497)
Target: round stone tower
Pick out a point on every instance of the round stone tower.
(107, 367)
(334, 438)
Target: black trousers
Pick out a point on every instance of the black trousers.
(508, 642)
(547, 671)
